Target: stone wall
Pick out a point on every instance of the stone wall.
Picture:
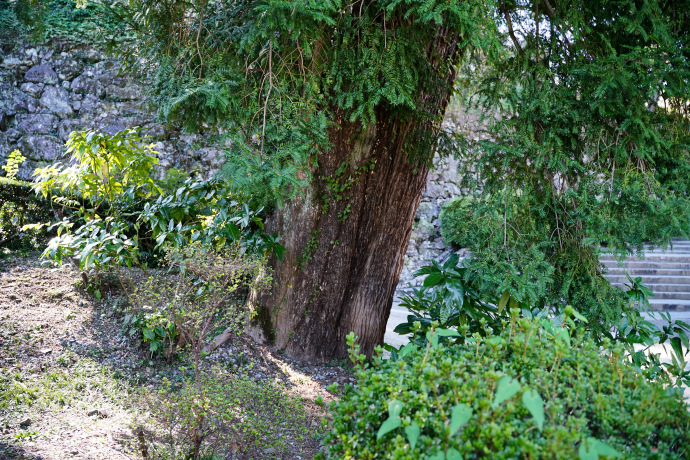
(48, 92)
(444, 183)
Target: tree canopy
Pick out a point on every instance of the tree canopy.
(277, 75)
(589, 141)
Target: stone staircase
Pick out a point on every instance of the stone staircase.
(665, 272)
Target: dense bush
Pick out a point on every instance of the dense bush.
(456, 217)
(452, 296)
(124, 216)
(510, 252)
(76, 21)
(532, 392)
(19, 207)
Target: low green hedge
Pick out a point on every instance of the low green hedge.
(533, 392)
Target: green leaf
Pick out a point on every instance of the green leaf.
(677, 347)
(447, 333)
(579, 316)
(394, 408)
(591, 449)
(451, 262)
(412, 432)
(563, 335)
(433, 339)
(507, 388)
(388, 426)
(453, 454)
(535, 405)
(393, 421)
(407, 349)
(503, 301)
(160, 239)
(433, 279)
(233, 232)
(460, 415)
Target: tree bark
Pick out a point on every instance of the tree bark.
(344, 251)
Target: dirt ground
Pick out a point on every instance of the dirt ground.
(70, 377)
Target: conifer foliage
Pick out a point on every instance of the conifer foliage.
(278, 75)
(589, 105)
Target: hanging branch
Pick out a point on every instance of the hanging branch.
(511, 32)
(268, 95)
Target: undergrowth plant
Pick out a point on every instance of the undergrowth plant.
(104, 173)
(208, 413)
(79, 21)
(199, 290)
(453, 296)
(224, 417)
(18, 207)
(124, 217)
(456, 296)
(14, 161)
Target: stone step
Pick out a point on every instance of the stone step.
(672, 257)
(685, 288)
(671, 295)
(652, 279)
(668, 248)
(665, 271)
(669, 305)
(643, 272)
(646, 265)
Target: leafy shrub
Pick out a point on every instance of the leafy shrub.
(457, 216)
(510, 257)
(207, 415)
(77, 21)
(216, 416)
(104, 176)
(156, 329)
(201, 290)
(124, 217)
(457, 296)
(452, 296)
(14, 161)
(19, 207)
(534, 391)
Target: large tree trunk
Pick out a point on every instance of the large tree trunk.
(345, 248)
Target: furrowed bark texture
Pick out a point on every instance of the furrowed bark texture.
(341, 268)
